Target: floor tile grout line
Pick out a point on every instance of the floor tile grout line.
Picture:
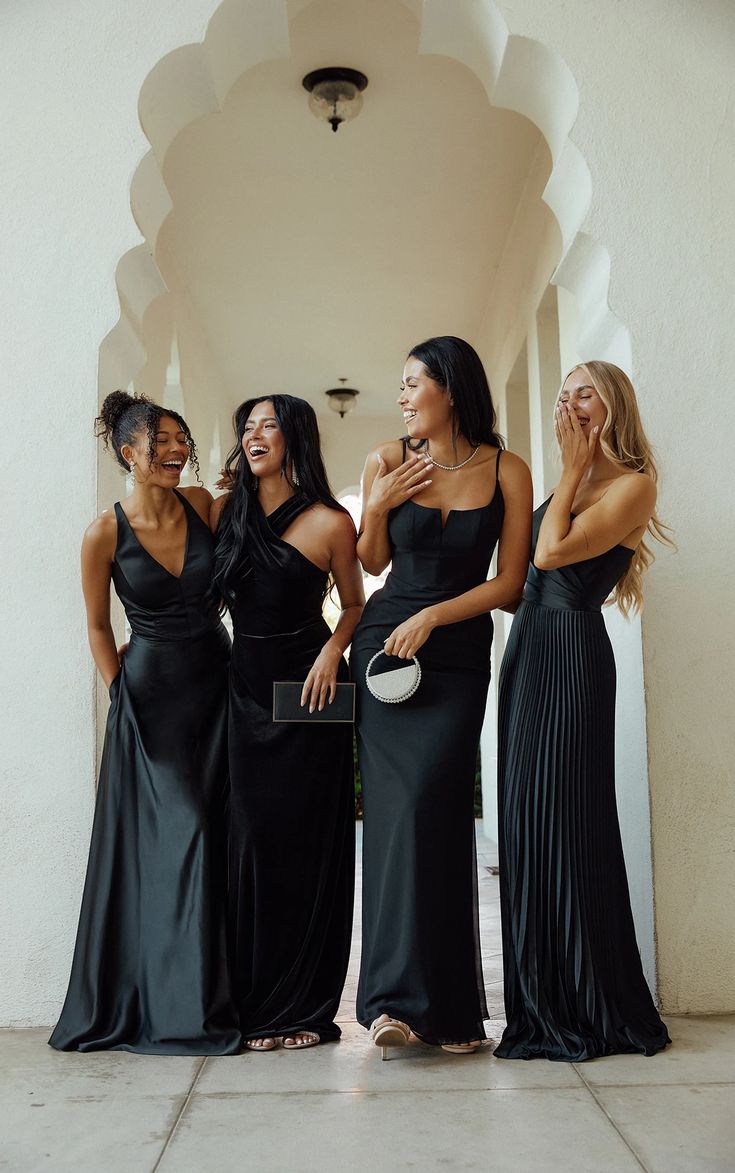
(591, 1089)
(361, 1090)
(179, 1115)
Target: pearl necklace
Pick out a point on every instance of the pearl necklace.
(453, 467)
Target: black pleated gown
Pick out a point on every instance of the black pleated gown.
(421, 958)
(292, 829)
(149, 972)
(574, 985)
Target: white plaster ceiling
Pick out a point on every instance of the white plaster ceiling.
(306, 255)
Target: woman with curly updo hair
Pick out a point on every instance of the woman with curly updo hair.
(574, 984)
(149, 972)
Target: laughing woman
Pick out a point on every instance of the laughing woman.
(574, 985)
(149, 971)
(436, 504)
(281, 537)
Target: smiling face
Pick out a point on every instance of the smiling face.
(581, 397)
(263, 442)
(426, 405)
(171, 452)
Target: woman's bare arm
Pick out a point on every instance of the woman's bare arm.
(625, 507)
(321, 683)
(98, 551)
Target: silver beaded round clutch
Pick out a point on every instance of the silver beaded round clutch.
(393, 685)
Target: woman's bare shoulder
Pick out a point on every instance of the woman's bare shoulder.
(336, 523)
(512, 468)
(391, 451)
(100, 538)
(216, 508)
(199, 498)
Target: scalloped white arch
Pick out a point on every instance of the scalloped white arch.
(516, 72)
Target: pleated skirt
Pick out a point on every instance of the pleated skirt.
(574, 984)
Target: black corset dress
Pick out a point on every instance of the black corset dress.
(421, 949)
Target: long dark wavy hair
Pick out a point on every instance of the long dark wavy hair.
(302, 467)
(455, 365)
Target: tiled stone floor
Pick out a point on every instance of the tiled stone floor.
(339, 1109)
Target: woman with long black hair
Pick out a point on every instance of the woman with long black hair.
(149, 971)
(281, 537)
(435, 504)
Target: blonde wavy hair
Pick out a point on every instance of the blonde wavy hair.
(625, 444)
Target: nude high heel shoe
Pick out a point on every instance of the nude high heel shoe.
(389, 1033)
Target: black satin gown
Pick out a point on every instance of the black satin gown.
(292, 828)
(574, 985)
(149, 971)
(421, 959)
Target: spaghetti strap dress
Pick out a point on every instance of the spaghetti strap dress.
(574, 984)
(149, 972)
(421, 959)
(292, 811)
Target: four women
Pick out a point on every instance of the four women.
(150, 970)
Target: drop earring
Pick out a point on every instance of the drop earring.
(295, 477)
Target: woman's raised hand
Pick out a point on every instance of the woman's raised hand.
(577, 449)
(390, 489)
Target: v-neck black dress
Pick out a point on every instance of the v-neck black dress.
(149, 972)
(421, 958)
(292, 809)
(574, 984)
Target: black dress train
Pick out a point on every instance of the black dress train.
(574, 985)
(149, 972)
(421, 958)
(292, 829)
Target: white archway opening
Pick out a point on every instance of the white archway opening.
(278, 257)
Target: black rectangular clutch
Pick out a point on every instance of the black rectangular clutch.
(287, 704)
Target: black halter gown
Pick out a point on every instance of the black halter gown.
(420, 935)
(574, 985)
(149, 971)
(292, 832)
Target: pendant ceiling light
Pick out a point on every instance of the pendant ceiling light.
(335, 94)
(342, 399)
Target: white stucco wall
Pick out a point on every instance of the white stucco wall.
(69, 86)
(655, 126)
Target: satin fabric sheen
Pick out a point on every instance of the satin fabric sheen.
(292, 833)
(574, 985)
(420, 937)
(149, 972)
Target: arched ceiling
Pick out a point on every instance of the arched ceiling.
(304, 255)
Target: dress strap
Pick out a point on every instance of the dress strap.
(191, 513)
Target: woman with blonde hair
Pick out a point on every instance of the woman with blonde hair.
(574, 985)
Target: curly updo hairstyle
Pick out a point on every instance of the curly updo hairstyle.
(124, 417)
